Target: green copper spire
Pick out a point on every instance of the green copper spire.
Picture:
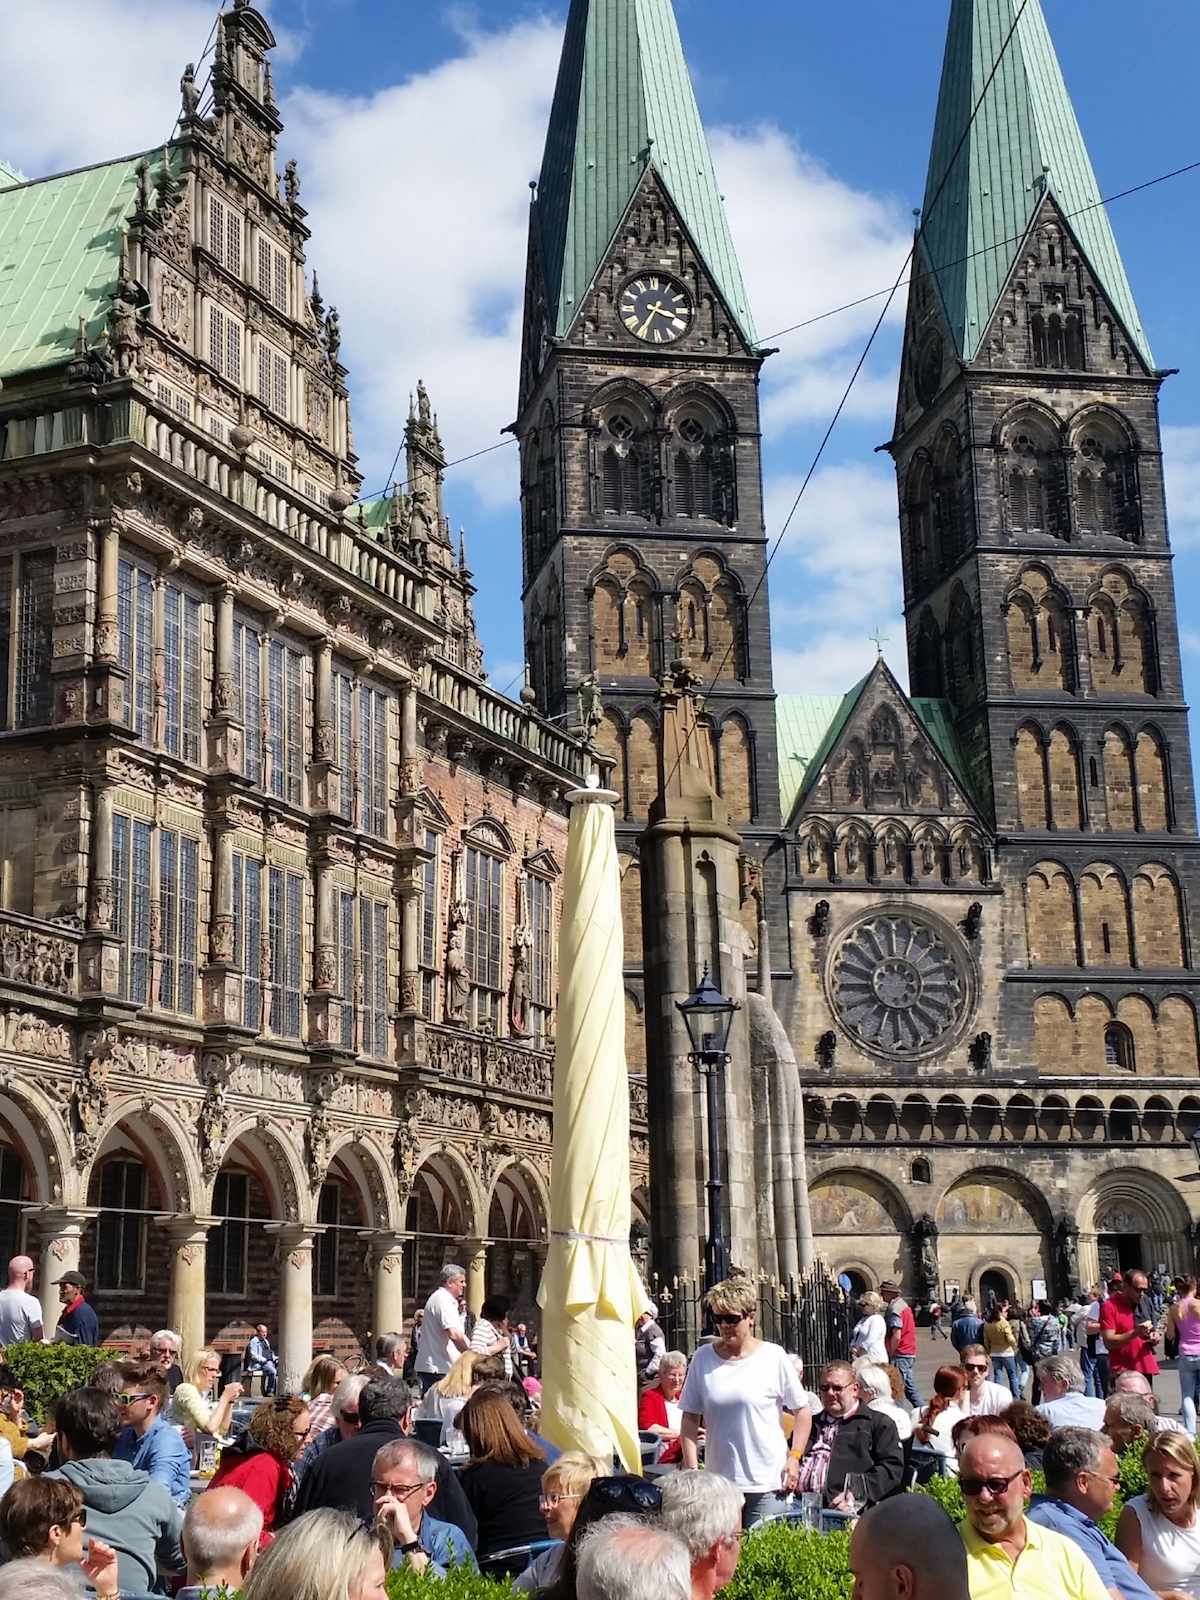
(1024, 142)
(623, 101)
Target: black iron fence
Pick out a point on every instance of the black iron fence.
(809, 1315)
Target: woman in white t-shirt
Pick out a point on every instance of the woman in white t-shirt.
(737, 1390)
(870, 1331)
(934, 1426)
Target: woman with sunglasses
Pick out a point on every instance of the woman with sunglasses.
(565, 1484)
(737, 1389)
(260, 1463)
(42, 1520)
(619, 1495)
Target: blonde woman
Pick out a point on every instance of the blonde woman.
(869, 1338)
(564, 1484)
(319, 1382)
(737, 1389)
(456, 1385)
(190, 1407)
(323, 1555)
(1159, 1531)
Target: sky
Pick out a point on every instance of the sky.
(418, 126)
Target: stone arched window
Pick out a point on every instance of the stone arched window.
(949, 523)
(1118, 1048)
(1158, 927)
(709, 625)
(927, 658)
(1107, 497)
(1121, 638)
(735, 766)
(1050, 910)
(1104, 908)
(539, 490)
(1062, 762)
(962, 675)
(702, 457)
(1036, 503)
(1032, 794)
(918, 505)
(1039, 644)
(1119, 781)
(625, 476)
(1153, 780)
(624, 614)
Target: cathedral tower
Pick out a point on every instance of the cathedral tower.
(643, 541)
(1037, 571)
(641, 487)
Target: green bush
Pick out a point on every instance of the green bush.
(779, 1562)
(459, 1584)
(47, 1370)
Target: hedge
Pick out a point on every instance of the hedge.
(47, 1370)
(778, 1561)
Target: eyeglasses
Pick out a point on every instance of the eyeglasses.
(80, 1517)
(128, 1399)
(972, 1487)
(973, 1366)
(624, 1492)
(1104, 1478)
(730, 1318)
(350, 1416)
(834, 1388)
(549, 1501)
(400, 1491)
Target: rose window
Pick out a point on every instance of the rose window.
(896, 986)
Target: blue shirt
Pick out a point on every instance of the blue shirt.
(1114, 1569)
(966, 1330)
(162, 1453)
(445, 1544)
(78, 1324)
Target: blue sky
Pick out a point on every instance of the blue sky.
(418, 127)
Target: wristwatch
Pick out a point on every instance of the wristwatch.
(411, 1548)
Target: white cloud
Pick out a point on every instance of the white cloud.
(1181, 467)
(419, 206)
(83, 81)
(808, 243)
(836, 578)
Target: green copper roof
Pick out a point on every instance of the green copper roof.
(624, 98)
(60, 252)
(1024, 142)
(9, 175)
(805, 726)
(809, 725)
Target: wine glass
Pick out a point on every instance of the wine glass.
(855, 1492)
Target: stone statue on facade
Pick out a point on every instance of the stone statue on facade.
(518, 994)
(89, 1102)
(458, 983)
(291, 183)
(189, 93)
(926, 1269)
(591, 708)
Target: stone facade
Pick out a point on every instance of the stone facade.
(278, 920)
(972, 916)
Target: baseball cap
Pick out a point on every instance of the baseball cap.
(77, 1278)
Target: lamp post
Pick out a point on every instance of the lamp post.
(708, 1017)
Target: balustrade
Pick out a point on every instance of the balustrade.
(40, 954)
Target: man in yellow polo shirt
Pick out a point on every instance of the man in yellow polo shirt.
(1008, 1557)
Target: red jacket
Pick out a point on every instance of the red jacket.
(652, 1413)
(263, 1477)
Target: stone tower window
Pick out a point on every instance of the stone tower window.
(1027, 487)
(693, 470)
(1107, 499)
(624, 476)
(1118, 1048)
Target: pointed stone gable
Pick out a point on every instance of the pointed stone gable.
(624, 103)
(984, 192)
(880, 759)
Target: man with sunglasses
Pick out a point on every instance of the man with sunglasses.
(146, 1441)
(848, 1437)
(985, 1398)
(1008, 1556)
(1082, 1479)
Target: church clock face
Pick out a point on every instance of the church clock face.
(655, 308)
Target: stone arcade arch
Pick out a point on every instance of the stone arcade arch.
(1132, 1216)
(517, 1233)
(990, 1219)
(861, 1217)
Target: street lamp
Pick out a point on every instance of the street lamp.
(709, 1016)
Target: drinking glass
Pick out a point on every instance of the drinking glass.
(855, 1491)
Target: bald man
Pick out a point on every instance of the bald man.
(902, 1550)
(1137, 1383)
(995, 1485)
(220, 1541)
(20, 1312)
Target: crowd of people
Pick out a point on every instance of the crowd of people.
(431, 1458)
